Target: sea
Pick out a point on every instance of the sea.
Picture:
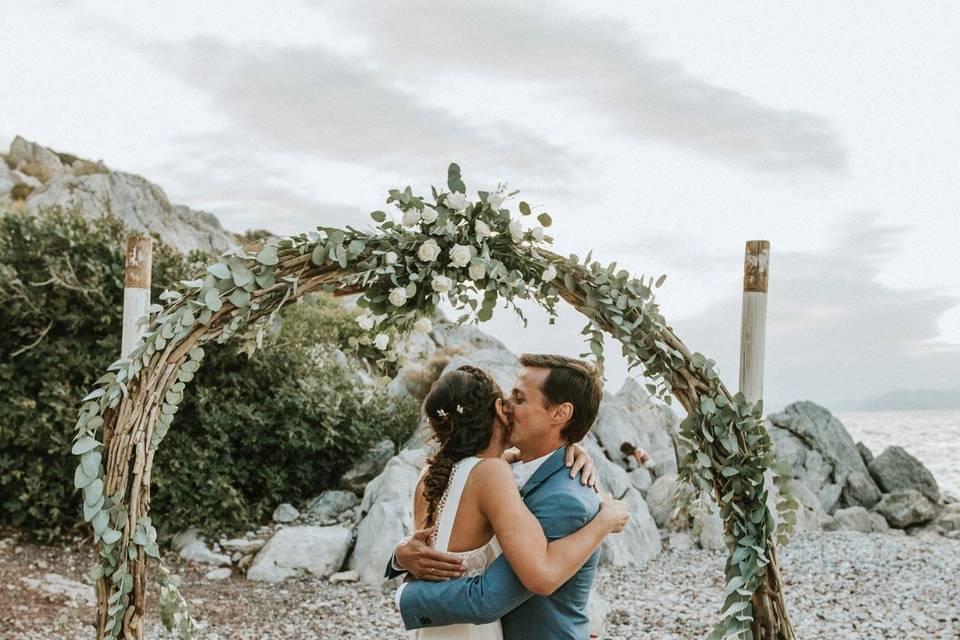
(931, 435)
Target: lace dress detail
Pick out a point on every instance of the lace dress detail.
(476, 560)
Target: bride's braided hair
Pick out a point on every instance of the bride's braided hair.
(461, 409)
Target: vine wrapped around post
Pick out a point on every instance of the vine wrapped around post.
(477, 254)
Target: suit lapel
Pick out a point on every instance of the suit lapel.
(549, 467)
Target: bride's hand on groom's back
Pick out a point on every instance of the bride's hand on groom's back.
(614, 512)
(425, 562)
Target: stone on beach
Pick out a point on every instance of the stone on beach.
(330, 504)
(292, 551)
(905, 508)
(895, 469)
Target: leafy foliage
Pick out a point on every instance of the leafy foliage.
(254, 432)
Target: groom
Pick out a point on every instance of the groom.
(554, 403)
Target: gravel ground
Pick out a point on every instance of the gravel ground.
(839, 585)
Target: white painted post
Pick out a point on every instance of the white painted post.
(136, 290)
(753, 319)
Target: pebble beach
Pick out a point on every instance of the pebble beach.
(838, 585)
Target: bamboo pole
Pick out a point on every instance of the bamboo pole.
(136, 290)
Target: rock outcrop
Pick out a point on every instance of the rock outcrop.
(822, 456)
(292, 551)
(34, 178)
(895, 470)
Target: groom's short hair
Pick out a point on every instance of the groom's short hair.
(570, 380)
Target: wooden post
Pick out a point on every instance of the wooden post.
(136, 290)
(753, 318)
(770, 618)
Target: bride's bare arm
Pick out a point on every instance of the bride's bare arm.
(542, 565)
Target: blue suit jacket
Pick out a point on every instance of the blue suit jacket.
(562, 505)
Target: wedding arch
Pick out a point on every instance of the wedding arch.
(477, 253)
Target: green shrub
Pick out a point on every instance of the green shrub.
(252, 433)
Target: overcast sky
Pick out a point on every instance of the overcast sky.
(662, 136)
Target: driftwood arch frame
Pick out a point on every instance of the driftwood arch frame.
(475, 253)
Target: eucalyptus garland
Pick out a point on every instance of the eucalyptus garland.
(478, 255)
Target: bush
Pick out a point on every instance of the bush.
(251, 434)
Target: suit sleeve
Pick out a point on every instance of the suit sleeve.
(478, 600)
(488, 597)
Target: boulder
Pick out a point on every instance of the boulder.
(948, 521)
(219, 574)
(708, 525)
(905, 508)
(292, 551)
(641, 479)
(25, 154)
(822, 455)
(198, 551)
(377, 535)
(660, 498)
(895, 469)
(640, 540)
(631, 416)
(860, 490)
(865, 454)
(357, 477)
(183, 538)
(285, 513)
(330, 504)
(854, 519)
(243, 546)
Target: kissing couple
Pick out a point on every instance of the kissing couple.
(507, 545)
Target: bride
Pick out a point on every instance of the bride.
(468, 496)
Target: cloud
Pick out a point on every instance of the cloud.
(834, 332)
(600, 65)
(302, 99)
(247, 194)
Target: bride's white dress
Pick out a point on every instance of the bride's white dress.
(476, 560)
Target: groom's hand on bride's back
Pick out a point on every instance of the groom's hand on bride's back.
(424, 562)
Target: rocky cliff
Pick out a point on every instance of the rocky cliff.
(33, 178)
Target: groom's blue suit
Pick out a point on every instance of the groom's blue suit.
(562, 505)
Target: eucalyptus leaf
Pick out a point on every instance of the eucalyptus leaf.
(212, 300)
(219, 270)
(83, 445)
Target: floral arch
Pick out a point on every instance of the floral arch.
(477, 253)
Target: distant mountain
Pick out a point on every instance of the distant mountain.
(907, 399)
(33, 177)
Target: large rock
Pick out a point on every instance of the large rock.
(660, 498)
(905, 508)
(822, 455)
(856, 519)
(387, 509)
(292, 551)
(631, 416)
(369, 467)
(285, 513)
(708, 525)
(640, 540)
(329, 504)
(895, 469)
(95, 191)
(198, 551)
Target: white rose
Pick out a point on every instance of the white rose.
(550, 274)
(429, 251)
(516, 231)
(381, 341)
(537, 234)
(457, 201)
(482, 230)
(390, 257)
(495, 200)
(423, 325)
(398, 296)
(440, 283)
(429, 216)
(460, 255)
(477, 271)
(410, 217)
(365, 321)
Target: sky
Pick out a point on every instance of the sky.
(661, 135)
